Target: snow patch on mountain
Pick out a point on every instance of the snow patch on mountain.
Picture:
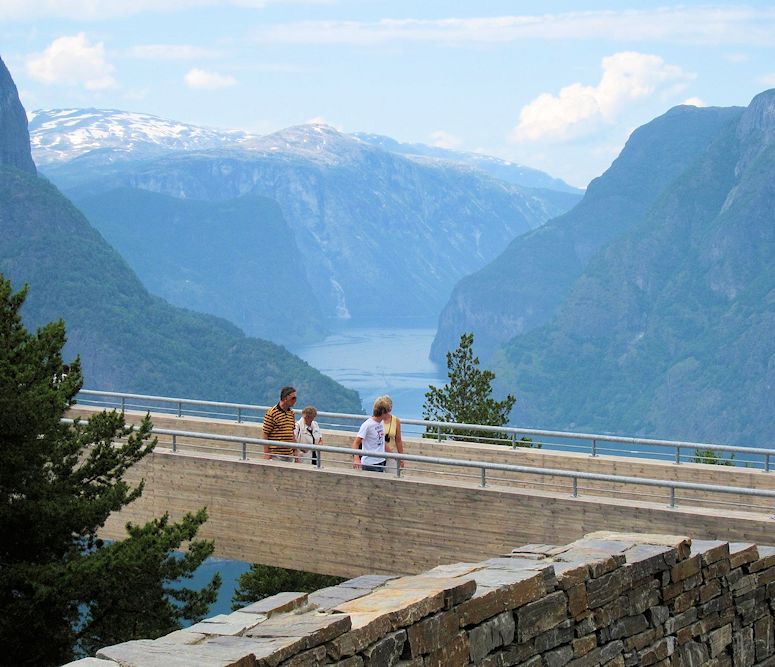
(58, 135)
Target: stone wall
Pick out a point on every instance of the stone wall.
(612, 599)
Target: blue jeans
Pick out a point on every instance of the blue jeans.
(377, 467)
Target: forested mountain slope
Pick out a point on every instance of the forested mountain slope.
(669, 331)
(523, 287)
(236, 259)
(129, 340)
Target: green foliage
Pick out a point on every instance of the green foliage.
(466, 398)
(129, 584)
(712, 457)
(261, 581)
(61, 588)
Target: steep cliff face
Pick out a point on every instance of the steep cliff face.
(14, 136)
(382, 236)
(669, 329)
(523, 287)
(235, 259)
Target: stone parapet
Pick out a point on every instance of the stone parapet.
(612, 599)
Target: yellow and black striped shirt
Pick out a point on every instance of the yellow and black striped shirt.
(279, 425)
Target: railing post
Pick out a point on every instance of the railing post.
(244, 451)
(677, 455)
(174, 443)
(594, 447)
(439, 433)
(123, 404)
(766, 463)
(575, 493)
(180, 408)
(672, 496)
(239, 415)
(484, 480)
(318, 460)
(398, 467)
(513, 440)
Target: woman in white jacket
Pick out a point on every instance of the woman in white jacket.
(307, 431)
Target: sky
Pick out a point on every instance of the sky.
(557, 86)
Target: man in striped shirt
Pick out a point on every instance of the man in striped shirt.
(279, 423)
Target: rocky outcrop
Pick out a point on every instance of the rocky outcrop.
(14, 136)
(612, 599)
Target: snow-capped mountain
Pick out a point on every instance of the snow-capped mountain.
(317, 143)
(59, 135)
(109, 135)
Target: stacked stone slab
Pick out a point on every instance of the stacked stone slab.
(613, 599)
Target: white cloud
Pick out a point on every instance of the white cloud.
(204, 80)
(170, 52)
(442, 139)
(695, 102)
(680, 24)
(73, 61)
(578, 109)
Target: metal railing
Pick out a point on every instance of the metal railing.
(590, 443)
(482, 468)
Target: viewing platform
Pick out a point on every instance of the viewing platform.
(454, 501)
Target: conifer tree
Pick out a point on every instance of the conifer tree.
(262, 581)
(467, 397)
(62, 588)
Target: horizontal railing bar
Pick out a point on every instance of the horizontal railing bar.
(167, 399)
(486, 465)
(460, 426)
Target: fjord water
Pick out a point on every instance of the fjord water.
(379, 360)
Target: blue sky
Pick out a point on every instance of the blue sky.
(557, 86)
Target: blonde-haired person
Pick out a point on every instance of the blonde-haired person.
(392, 426)
(371, 439)
(307, 432)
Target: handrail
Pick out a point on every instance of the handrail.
(513, 431)
(672, 485)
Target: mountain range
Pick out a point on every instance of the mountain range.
(128, 339)
(378, 236)
(59, 135)
(650, 307)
